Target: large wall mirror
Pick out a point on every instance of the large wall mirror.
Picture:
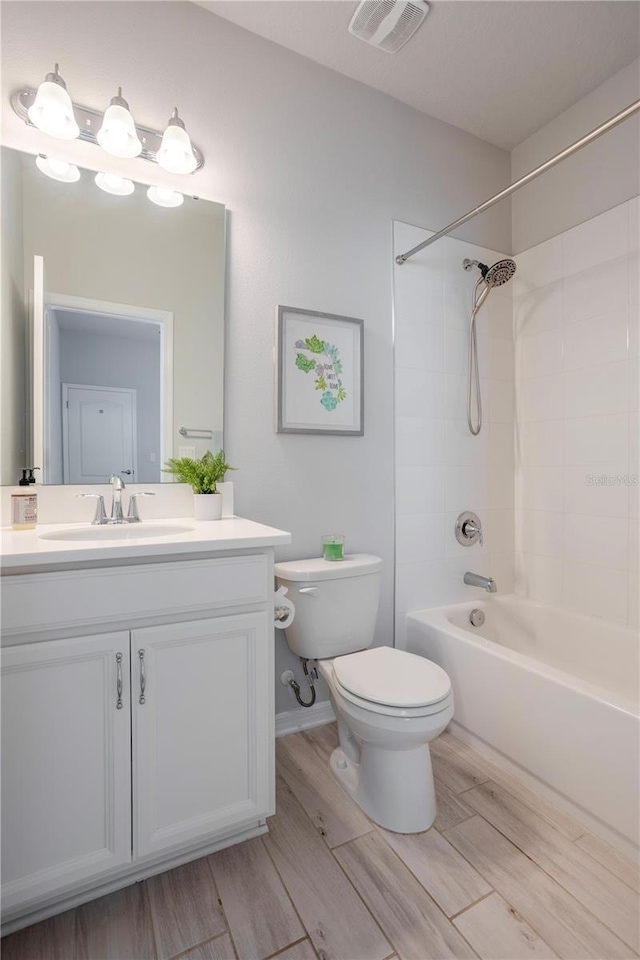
(112, 328)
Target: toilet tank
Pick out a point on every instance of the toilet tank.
(336, 604)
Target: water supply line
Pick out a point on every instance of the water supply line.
(289, 680)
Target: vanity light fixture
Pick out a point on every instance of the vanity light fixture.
(52, 110)
(112, 183)
(176, 153)
(57, 169)
(165, 197)
(118, 134)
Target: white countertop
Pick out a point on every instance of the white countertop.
(25, 549)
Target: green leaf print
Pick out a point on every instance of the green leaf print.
(321, 383)
(302, 363)
(342, 394)
(314, 344)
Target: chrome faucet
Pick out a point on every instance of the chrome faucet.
(117, 486)
(476, 580)
(117, 516)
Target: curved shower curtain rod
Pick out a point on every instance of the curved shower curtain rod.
(528, 177)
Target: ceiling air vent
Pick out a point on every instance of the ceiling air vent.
(388, 24)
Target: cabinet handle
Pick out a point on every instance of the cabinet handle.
(119, 681)
(143, 677)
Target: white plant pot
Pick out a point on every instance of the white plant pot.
(207, 506)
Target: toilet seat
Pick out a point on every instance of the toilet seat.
(392, 682)
(382, 710)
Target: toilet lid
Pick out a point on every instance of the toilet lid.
(392, 677)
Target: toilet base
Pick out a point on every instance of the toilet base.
(393, 787)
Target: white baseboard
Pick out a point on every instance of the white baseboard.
(303, 718)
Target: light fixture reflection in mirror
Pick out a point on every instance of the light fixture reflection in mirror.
(57, 169)
(112, 183)
(52, 110)
(164, 197)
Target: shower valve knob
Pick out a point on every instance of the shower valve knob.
(468, 529)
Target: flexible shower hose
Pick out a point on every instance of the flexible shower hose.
(473, 369)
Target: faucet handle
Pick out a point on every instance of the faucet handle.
(468, 529)
(100, 515)
(472, 530)
(116, 482)
(132, 514)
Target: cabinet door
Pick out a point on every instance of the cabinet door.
(66, 764)
(203, 728)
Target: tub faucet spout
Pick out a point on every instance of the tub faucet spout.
(476, 580)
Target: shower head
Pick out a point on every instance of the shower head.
(494, 276)
(500, 273)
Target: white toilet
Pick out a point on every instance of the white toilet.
(389, 704)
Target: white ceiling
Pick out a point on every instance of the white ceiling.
(499, 69)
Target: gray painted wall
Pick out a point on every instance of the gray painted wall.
(313, 168)
(599, 177)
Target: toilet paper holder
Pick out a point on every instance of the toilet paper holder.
(283, 609)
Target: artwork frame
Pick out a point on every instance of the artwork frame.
(319, 373)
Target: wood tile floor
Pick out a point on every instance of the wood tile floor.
(502, 875)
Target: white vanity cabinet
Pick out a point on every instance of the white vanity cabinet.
(137, 722)
(66, 770)
(202, 732)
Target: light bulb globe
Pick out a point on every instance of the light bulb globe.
(52, 111)
(118, 135)
(176, 153)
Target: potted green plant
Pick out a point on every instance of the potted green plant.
(203, 476)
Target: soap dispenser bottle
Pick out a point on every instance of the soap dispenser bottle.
(24, 504)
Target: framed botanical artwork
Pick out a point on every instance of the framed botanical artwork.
(320, 381)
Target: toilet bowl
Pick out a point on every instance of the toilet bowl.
(389, 704)
(383, 761)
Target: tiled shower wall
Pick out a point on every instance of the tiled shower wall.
(441, 469)
(576, 325)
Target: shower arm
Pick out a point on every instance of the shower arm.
(527, 178)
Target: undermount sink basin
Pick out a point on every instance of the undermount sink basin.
(117, 531)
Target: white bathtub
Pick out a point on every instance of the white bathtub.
(552, 692)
